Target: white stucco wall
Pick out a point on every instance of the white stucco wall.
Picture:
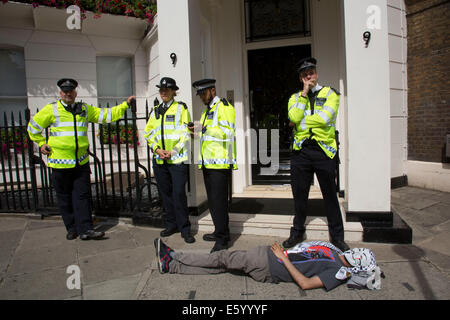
(52, 51)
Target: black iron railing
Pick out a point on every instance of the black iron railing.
(121, 185)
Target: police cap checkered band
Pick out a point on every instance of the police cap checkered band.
(306, 63)
(203, 84)
(67, 84)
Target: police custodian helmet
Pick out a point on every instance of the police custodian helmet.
(167, 82)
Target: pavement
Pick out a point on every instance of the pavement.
(37, 262)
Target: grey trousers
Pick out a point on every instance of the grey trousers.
(253, 262)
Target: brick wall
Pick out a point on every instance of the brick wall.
(428, 78)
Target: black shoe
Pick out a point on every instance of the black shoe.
(341, 245)
(163, 253)
(292, 241)
(212, 237)
(188, 238)
(209, 237)
(168, 232)
(71, 235)
(218, 247)
(92, 235)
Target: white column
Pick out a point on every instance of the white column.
(368, 106)
(179, 32)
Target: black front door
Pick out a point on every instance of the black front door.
(273, 78)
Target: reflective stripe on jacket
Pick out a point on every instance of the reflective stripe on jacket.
(218, 143)
(68, 137)
(319, 126)
(169, 132)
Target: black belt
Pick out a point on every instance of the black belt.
(309, 142)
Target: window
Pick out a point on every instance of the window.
(114, 80)
(275, 19)
(13, 89)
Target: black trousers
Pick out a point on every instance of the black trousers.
(304, 163)
(73, 196)
(216, 184)
(171, 180)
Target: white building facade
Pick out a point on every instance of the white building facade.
(220, 39)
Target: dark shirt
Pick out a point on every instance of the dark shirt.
(316, 261)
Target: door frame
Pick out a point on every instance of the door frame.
(266, 44)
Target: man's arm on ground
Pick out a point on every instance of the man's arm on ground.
(304, 282)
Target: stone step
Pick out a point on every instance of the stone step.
(276, 225)
(275, 191)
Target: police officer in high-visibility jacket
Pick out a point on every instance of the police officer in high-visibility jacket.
(312, 113)
(168, 137)
(67, 151)
(217, 158)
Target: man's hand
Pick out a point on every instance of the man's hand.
(307, 85)
(164, 154)
(194, 128)
(130, 98)
(45, 149)
(278, 251)
(304, 282)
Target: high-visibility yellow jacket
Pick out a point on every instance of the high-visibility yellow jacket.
(217, 138)
(319, 126)
(68, 137)
(169, 132)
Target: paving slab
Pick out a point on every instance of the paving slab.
(439, 243)
(32, 260)
(194, 287)
(115, 264)
(9, 241)
(272, 291)
(43, 285)
(44, 237)
(42, 224)
(12, 224)
(396, 252)
(113, 240)
(115, 289)
(413, 202)
(144, 236)
(416, 280)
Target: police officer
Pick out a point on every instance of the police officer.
(167, 135)
(67, 151)
(313, 112)
(217, 157)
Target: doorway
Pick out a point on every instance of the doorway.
(273, 78)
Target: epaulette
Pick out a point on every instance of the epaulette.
(183, 104)
(224, 101)
(335, 91)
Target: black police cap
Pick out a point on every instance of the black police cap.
(67, 84)
(203, 84)
(306, 63)
(167, 82)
